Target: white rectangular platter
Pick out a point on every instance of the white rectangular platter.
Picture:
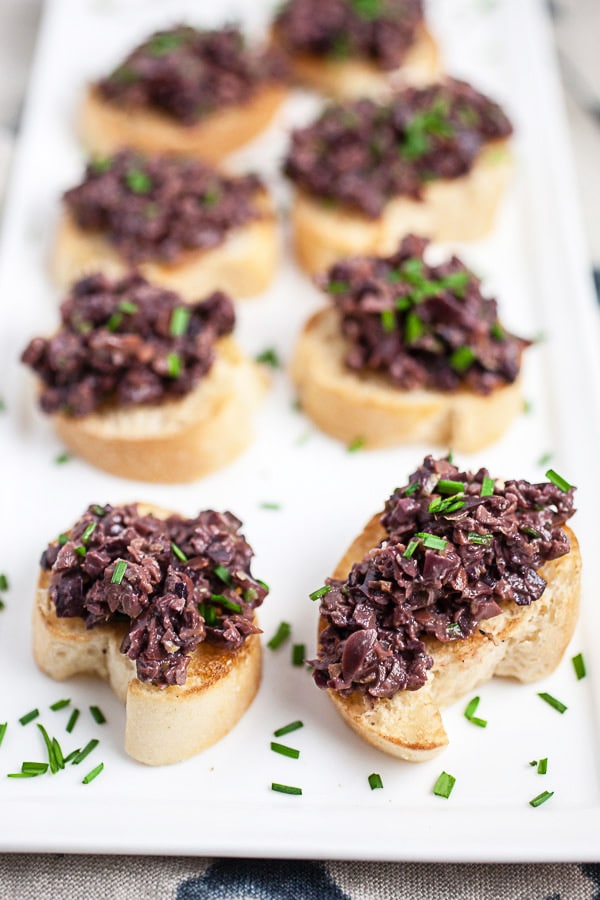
(220, 802)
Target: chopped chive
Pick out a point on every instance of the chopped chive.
(72, 721)
(91, 745)
(284, 750)
(119, 572)
(180, 319)
(93, 774)
(320, 592)
(114, 321)
(558, 480)
(298, 654)
(97, 715)
(34, 768)
(225, 602)
(62, 539)
(497, 332)
(447, 486)
(412, 488)
(269, 357)
(3, 727)
(533, 762)
(484, 539)
(432, 541)
(553, 702)
(58, 754)
(544, 459)
(179, 552)
(541, 798)
(88, 533)
(450, 504)
(337, 287)
(282, 634)
(287, 729)
(101, 164)
(461, 359)
(60, 704)
(530, 532)
(412, 546)
(444, 785)
(128, 307)
(470, 713)
(52, 759)
(3, 582)
(223, 573)
(285, 789)
(2, 604)
(375, 781)
(81, 551)
(481, 723)
(543, 766)
(173, 365)
(357, 444)
(98, 510)
(208, 613)
(138, 181)
(72, 755)
(269, 505)
(413, 328)
(62, 458)
(22, 774)
(454, 628)
(263, 584)
(579, 666)
(388, 320)
(29, 717)
(487, 487)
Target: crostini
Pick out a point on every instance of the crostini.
(161, 607)
(144, 386)
(461, 578)
(432, 161)
(408, 352)
(357, 48)
(185, 91)
(183, 224)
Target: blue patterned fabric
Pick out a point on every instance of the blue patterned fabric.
(263, 879)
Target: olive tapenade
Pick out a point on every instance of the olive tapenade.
(176, 582)
(189, 73)
(379, 30)
(157, 208)
(458, 545)
(363, 154)
(422, 326)
(126, 342)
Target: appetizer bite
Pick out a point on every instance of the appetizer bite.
(185, 91)
(182, 223)
(433, 161)
(144, 386)
(408, 352)
(357, 48)
(462, 577)
(163, 608)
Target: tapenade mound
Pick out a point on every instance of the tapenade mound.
(462, 577)
(143, 385)
(408, 352)
(432, 160)
(353, 48)
(163, 608)
(185, 91)
(184, 224)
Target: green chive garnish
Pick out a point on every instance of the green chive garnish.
(263, 584)
(93, 774)
(375, 781)
(357, 444)
(487, 487)
(541, 798)
(454, 628)
(553, 702)
(282, 634)
(72, 755)
(88, 533)
(298, 654)
(287, 729)
(208, 613)
(179, 552)
(497, 332)
(543, 766)
(114, 321)
(98, 510)
(470, 713)
(284, 750)
(225, 602)
(180, 319)
(412, 488)
(80, 550)
(268, 505)
(484, 539)
(21, 774)
(62, 539)
(223, 573)
(285, 789)
(3, 728)
(413, 328)
(444, 785)
(128, 307)
(412, 546)
(138, 181)
(118, 572)
(558, 480)
(337, 287)
(388, 320)
(91, 745)
(34, 768)
(62, 458)
(579, 666)
(447, 486)
(450, 504)
(320, 592)
(52, 760)
(461, 359)
(97, 715)
(432, 541)
(173, 365)
(269, 357)
(544, 459)
(58, 754)
(60, 704)
(29, 717)
(3, 582)
(72, 721)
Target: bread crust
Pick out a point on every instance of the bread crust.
(178, 440)
(107, 127)
(242, 266)
(456, 209)
(525, 643)
(162, 725)
(355, 78)
(350, 405)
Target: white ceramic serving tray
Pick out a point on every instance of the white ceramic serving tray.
(220, 802)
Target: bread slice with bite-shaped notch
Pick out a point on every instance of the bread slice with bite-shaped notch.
(524, 642)
(163, 725)
(351, 405)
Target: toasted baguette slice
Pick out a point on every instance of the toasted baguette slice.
(457, 209)
(107, 127)
(242, 266)
(353, 78)
(350, 405)
(177, 440)
(162, 725)
(525, 642)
